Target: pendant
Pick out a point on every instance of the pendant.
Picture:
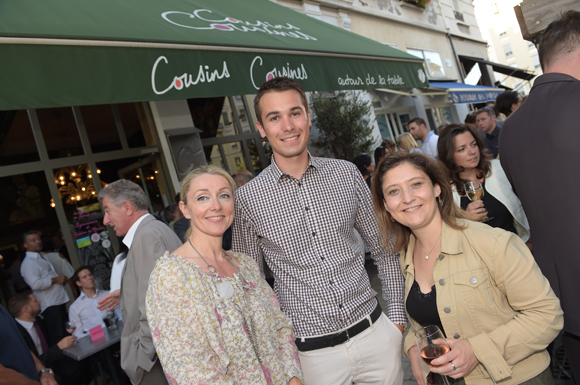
(225, 289)
(211, 269)
(426, 257)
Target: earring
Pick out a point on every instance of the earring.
(392, 220)
(440, 201)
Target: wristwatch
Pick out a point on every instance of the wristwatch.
(45, 370)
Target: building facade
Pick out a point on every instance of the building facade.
(500, 28)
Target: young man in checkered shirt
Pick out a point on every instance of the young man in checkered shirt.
(299, 215)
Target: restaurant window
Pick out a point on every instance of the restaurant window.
(101, 128)
(25, 204)
(229, 137)
(92, 240)
(134, 125)
(60, 132)
(438, 115)
(17, 143)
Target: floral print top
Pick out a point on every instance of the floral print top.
(201, 336)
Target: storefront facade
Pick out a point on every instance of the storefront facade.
(148, 100)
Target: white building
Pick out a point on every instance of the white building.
(500, 28)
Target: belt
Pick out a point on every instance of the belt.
(340, 337)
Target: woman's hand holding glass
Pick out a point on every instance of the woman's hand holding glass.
(478, 209)
(462, 357)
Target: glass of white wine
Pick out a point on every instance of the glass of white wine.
(474, 191)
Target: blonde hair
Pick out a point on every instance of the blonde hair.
(208, 169)
(408, 141)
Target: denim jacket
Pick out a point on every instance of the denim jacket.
(491, 292)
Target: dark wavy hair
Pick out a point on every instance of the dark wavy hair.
(436, 172)
(505, 100)
(446, 153)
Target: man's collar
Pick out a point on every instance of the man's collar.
(553, 77)
(28, 325)
(495, 132)
(278, 174)
(33, 254)
(429, 135)
(128, 240)
(83, 295)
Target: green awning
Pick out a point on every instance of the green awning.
(66, 53)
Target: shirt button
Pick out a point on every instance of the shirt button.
(441, 256)
(306, 208)
(322, 258)
(473, 280)
(456, 336)
(442, 282)
(447, 309)
(332, 283)
(299, 184)
(340, 306)
(314, 233)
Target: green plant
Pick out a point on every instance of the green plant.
(342, 121)
(418, 3)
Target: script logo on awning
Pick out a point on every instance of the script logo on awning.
(204, 75)
(293, 73)
(196, 21)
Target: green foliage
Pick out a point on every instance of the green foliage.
(345, 131)
(418, 3)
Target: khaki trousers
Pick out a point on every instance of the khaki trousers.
(372, 357)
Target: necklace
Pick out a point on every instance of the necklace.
(421, 246)
(226, 291)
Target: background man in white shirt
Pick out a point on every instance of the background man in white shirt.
(46, 285)
(84, 313)
(418, 128)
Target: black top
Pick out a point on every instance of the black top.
(499, 215)
(423, 307)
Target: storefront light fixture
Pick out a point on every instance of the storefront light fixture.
(75, 184)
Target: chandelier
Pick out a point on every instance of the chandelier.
(75, 184)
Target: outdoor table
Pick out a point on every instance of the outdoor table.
(84, 348)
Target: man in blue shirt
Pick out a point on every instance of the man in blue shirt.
(485, 119)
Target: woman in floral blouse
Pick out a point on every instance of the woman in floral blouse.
(214, 320)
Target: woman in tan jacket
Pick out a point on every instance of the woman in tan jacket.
(479, 284)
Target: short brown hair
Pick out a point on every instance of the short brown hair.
(75, 276)
(446, 153)
(436, 173)
(485, 110)
(560, 38)
(419, 121)
(280, 84)
(18, 301)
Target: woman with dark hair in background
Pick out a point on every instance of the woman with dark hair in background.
(461, 150)
(481, 286)
(507, 102)
(380, 153)
(366, 167)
